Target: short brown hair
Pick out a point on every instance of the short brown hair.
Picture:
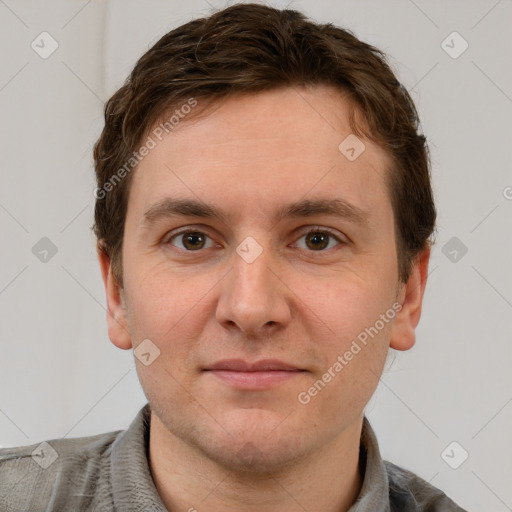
(249, 48)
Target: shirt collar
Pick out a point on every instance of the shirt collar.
(133, 488)
(374, 494)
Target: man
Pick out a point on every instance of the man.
(263, 214)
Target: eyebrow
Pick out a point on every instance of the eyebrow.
(172, 207)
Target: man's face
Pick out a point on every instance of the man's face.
(254, 286)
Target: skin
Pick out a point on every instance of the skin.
(214, 446)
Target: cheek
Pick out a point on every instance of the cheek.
(353, 358)
(355, 318)
(173, 310)
(167, 310)
(162, 298)
(345, 396)
(346, 306)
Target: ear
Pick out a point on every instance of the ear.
(116, 308)
(411, 297)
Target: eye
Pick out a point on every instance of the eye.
(320, 239)
(190, 240)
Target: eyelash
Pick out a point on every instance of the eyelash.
(317, 229)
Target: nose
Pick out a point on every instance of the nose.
(253, 298)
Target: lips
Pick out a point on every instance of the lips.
(239, 365)
(254, 376)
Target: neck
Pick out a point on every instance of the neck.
(188, 480)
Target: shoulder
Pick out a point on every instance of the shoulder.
(75, 471)
(408, 491)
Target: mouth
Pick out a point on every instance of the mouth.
(253, 376)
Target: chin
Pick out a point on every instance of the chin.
(256, 441)
(254, 453)
(262, 441)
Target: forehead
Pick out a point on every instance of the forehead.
(260, 150)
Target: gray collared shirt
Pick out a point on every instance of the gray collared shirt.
(110, 472)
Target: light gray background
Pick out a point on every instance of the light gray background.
(60, 375)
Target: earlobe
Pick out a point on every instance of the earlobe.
(403, 334)
(118, 331)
